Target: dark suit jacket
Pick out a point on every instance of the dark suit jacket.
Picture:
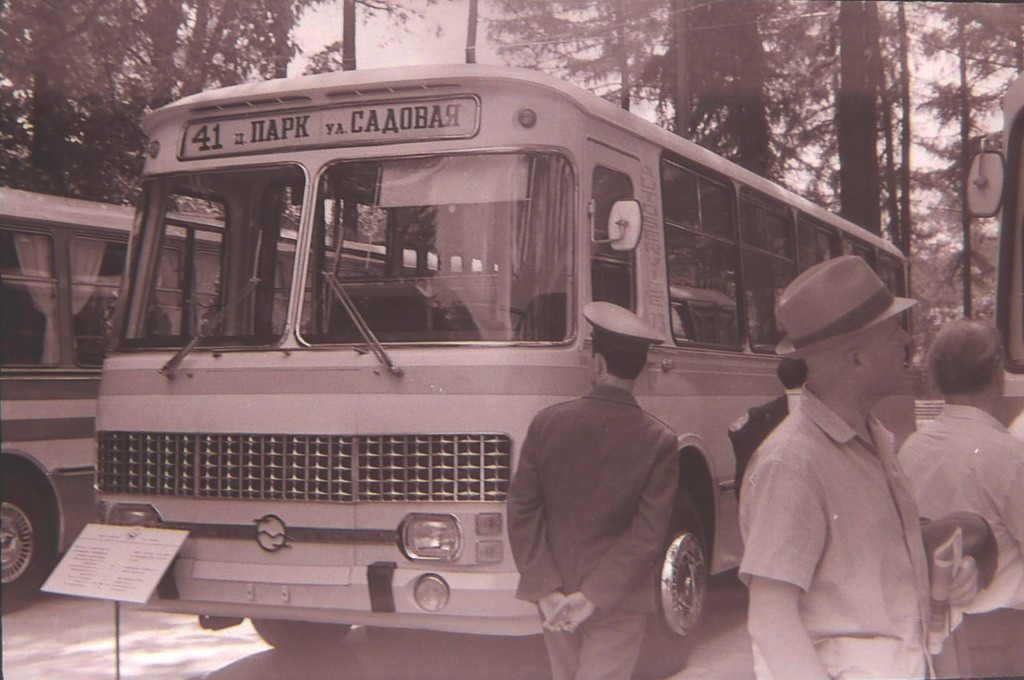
(591, 502)
(747, 436)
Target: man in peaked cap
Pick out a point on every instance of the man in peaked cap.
(833, 552)
(590, 505)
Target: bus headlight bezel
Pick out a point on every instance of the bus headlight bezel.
(430, 537)
(133, 515)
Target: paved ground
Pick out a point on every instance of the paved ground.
(66, 637)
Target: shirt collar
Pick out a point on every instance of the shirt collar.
(612, 393)
(830, 422)
(965, 412)
(837, 429)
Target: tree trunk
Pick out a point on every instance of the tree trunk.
(906, 219)
(196, 59)
(620, 15)
(751, 108)
(857, 114)
(46, 126)
(681, 52)
(471, 33)
(965, 141)
(892, 203)
(348, 36)
(281, 27)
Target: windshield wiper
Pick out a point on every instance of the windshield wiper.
(360, 322)
(171, 367)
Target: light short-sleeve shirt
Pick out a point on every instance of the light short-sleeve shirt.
(831, 513)
(967, 460)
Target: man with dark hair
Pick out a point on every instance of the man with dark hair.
(966, 460)
(750, 430)
(590, 505)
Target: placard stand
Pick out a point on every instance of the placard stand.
(123, 564)
(117, 639)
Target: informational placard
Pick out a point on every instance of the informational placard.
(116, 562)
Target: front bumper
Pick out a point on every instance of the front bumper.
(482, 602)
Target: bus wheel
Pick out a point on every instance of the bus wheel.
(683, 589)
(299, 635)
(29, 541)
(684, 583)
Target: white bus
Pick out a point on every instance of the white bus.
(995, 187)
(62, 261)
(382, 283)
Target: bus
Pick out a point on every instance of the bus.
(62, 261)
(995, 188)
(382, 281)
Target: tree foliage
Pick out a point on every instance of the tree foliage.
(765, 86)
(79, 76)
(758, 82)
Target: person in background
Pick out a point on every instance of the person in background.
(589, 508)
(750, 430)
(966, 459)
(833, 550)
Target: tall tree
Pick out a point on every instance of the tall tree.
(595, 43)
(857, 113)
(905, 220)
(340, 55)
(79, 76)
(980, 46)
(680, 52)
(705, 62)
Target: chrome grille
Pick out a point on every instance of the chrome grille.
(413, 467)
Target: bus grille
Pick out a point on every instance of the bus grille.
(412, 467)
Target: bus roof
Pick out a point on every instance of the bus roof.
(30, 206)
(327, 89)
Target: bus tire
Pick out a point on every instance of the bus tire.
(298, 636)
(29, 540)
(683, 588)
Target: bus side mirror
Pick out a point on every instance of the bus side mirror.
(625, 222)
(985, 184)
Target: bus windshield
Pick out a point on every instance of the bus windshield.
(216, 257)
(442, 249)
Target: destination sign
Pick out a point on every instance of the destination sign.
(340, 126)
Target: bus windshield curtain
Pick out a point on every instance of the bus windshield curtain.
(541, 234)
(34, 259)
(454, 180)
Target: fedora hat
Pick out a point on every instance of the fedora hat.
(618, 327)
(832, 300)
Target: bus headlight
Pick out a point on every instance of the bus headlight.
(133, 514)
(431, 537)
(431, 592)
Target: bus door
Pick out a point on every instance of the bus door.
(611, 174)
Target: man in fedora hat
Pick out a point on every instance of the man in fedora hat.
(589, 508)
(833, 552)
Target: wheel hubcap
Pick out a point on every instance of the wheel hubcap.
(16, 533)
(683, 584)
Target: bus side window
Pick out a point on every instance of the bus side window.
(96, 269)
(700, 251)
(814, 244)
(30, 327)
(611, 271)
(768, 266)
(890, 271)
(851, 247)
